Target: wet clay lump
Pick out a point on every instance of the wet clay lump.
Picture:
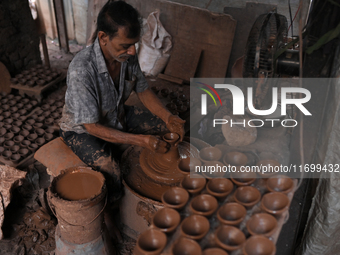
(78, 186)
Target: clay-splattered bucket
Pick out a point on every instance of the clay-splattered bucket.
(78, 197)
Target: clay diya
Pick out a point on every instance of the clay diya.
(265, 166)
(175, 198)
(38, 125)
(186, 246)
(8, 136)
(185, 165)
(28, 107)
(151, 242)
(243, 178)
(204, 205)
(3, 131)
(2, 149)
(39, 112)
(25, 100)
(34, 102)
(39, 119)
(6, 114)
(40, 132)
(48, 137)
(30, 122)
(40, 82)
(275, 203)
(22, 112)
(18, 139)
(280, 183)
(166, 220)
(195, 227)
(55, 115)
(32, 137)
(259, 245)
(46, 114)
(23, 152)
(59, 104)
(17, 123)
(164, 92)
(155, 89)
(219, 188)
(49, 130)
(194, 184)
(53, 108)
(8, 144)
(214, 251)
(8, 121)
(24, 133)
(7, 154)
(247, 196)
(2, 140)
(22, 118)
(235, 158)
(49, 122)
(25, 143)
(231, 214)
(229, 238)
(213, 169)
(15, 148)
(15, 130)
(210, 154)
(173, 95)
(40, 141)
(261, 224)
(20, 105)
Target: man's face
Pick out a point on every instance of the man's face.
(119, 47)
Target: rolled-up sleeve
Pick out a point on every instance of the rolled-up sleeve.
(81, 97)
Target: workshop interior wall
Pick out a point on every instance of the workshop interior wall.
(19, 40)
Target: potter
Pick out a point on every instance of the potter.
(95, 121)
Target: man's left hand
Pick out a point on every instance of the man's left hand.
(176, 125)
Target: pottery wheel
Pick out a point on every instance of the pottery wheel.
(148, 181)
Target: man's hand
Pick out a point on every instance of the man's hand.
(155, 144)
(176, 125)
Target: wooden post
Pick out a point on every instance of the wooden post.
(61, 24)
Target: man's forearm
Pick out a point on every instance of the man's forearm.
(114, 136)
(154, 105)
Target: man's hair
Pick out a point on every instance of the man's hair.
(115, 15)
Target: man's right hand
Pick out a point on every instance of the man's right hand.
(156, 144)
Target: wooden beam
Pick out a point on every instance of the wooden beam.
(61, 24)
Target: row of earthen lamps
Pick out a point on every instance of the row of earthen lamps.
(208, 200)
(20, 136)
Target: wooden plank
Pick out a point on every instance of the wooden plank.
(213, 33)
(183, 61)
(61, 24)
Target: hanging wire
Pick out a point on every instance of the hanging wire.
(291, 25)
(290, 14)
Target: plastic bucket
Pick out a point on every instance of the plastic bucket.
(77, 197)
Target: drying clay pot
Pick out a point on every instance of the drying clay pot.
(55, 115)
(27, 127)
(210, 154)
(40, 132)
(33, 147)
(40, 82)
(48, 137)
(247, 196)
(194, 184)
(2, 140)
(49, 130)
(3, 131)
(2, 149)
(171, 107)
(34, 102)
(39, 119)
(12, 103)
(32, 137)
(238, 135)
(175, 198)
(38, 125)
(49, 122)
(22, 118)
(166, 220)
(229, 238)
(186, 246)
(25, 143)
(235, 158)
(214, 251)
(261, 224)
(213, 173)
(20, 105)
(8, 121)
(17, 123)
(7, 155)
(25, 100)
(53, 108)
(59, 104)
(39, 112)
(30, 122)
(8, 144)
(275, 203)
(219, 188)
(30, 83)
(151, 242)
(269, 163)
(243, 178)
(46, 114)
(23, 152)
(24, 133)
(195, 227)
(6, 114)
(186, 165)
(204, 205)
(155, 89)
(8, 127)
(15, 148)
(15, 130)
(18, 139)
(40, 141)
(164, 92)
(173, 95)
(22, 112)
(231, 214)
(9, 136)
(280, 183)
(259, 245)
